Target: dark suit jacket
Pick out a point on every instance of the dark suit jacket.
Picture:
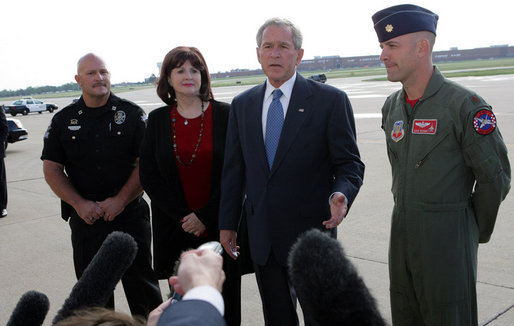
(161, 181)
(317, 155)
(191, 313)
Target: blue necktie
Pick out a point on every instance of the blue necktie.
(274, 122)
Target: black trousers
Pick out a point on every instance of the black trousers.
(234, 269)
(232, 291)
(277, 294)
(3, 185)
(139, 282)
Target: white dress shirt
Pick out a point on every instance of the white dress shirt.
(287, 89)
(206, 293)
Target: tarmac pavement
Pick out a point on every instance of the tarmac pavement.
(35, 245)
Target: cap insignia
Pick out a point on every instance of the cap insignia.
(389, 28)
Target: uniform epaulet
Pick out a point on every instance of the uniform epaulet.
(478, 101)
(124, 100)
(67, 107)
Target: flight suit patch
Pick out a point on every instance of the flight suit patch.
(484, 122)
(398, 131)
(424, 126)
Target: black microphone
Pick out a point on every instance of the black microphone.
(327, 284)
(97, 283)
(30, 310)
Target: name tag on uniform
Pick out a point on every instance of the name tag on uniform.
(424, 126)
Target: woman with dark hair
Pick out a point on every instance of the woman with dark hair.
(180, 167)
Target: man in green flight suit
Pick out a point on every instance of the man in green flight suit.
(450, 173)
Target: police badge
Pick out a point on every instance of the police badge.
(119, 117)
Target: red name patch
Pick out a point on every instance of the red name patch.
(424, 126)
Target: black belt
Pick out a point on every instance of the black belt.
(100, 196)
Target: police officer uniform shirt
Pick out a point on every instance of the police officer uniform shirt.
(98, 146)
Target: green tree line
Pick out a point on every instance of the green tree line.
(40, 90)
(70, 87)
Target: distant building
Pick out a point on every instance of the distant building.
(337, 62)
(493, 52)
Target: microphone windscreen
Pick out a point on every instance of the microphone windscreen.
(30, 310)
(97, 283)
(327, 284)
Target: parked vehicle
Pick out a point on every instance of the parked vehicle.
(28, 105)
(319, 78)
(16, 131)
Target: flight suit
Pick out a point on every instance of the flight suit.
(450, 173)
(99, 148)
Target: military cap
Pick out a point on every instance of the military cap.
(403, 19)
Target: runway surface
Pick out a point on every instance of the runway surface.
(35, 246)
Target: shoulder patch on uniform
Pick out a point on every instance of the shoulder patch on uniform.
(484, 122)
(124, 100)
(47, 132)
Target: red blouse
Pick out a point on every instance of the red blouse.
(195, 178)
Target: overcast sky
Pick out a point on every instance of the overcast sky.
(41, 41)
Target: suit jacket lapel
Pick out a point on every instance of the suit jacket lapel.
(297, 112)
(254, 124)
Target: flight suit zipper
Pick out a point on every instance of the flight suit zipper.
(404, 159)
(420, 162)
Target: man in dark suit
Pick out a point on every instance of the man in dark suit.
(298, 168)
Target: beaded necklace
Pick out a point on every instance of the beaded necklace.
(174, 136)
